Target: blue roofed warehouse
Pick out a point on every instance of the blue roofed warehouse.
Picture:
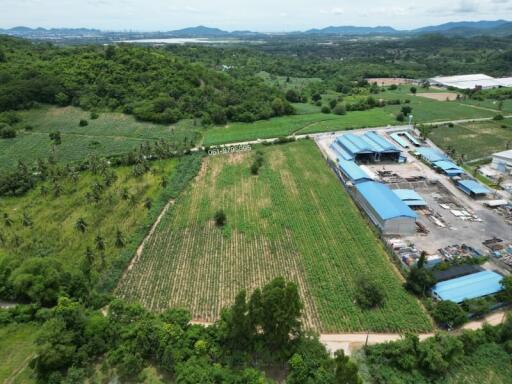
(385, 209)
(368, 147)
(468, 287)
(472, 188)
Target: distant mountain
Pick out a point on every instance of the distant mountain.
(352, 30)
(200, 31)
(462, 26)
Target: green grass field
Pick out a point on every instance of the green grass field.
(53, 231)
(298, 124)
(16, 350)
(291, 220)
(109, 135)
(429, 110)
(286, 83)
(492, 104)
(475, 140)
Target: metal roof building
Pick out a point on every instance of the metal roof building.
(449, 168)
(410, 197)
(405, 139)
(385, 209)
(472, 188)
(502, 161)
(431, 155)
(473, 81)
(439, 161)
(468, 287)
(352, 171)
(366, 147)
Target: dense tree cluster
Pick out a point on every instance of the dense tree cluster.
(260, 332)
(428, 361)
(150, 83)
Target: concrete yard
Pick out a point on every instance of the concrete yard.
(451, 216)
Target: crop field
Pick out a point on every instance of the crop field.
(53, 232)
(492, 104)
(288, 220)
(298, 124)
(475, 140)
(109, 135)
(16, 350)
(428, 110)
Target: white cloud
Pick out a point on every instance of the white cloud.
(259, 15)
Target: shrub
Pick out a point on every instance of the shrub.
(220, 218)
(83, 123)
(7, 132)
(326, 109)
(498, 117)
(406, 110)
(340, 109)
(94, 115)
(449, 313)
(400, 117)
(369, 293)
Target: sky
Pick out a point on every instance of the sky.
(255, 15)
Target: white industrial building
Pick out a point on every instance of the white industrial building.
(502, 162)
(473, 81)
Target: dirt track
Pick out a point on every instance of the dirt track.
(350, 341)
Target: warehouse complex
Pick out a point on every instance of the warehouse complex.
(473, 81)
(383, 207)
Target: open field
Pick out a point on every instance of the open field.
(16, 350)
(384, 81)
(286, 83)
(475, 140)
(289, 220)
(428, 110)
(53, 231)
(491, 104)
(440, 96)
(300, 124)
(110, 135)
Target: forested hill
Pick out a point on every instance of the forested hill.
(150, 83)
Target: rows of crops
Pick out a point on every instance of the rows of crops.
(290, 220)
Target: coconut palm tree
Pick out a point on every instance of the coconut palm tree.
(81, 225)
(100, 242)
(119, 239)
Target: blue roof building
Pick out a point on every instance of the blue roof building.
(440, 161)
(468, 287)
(431, 155)
(385, 208)
(368, 147)
(472, 188)
(410, 197)
(449, 168)
(404, 139)
(352, 171)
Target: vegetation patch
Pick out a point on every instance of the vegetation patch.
(289, 220)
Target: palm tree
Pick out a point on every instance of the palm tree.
(7, 220)
(119, 239)
(100, 243)
(499, 182)
(81, 225)
(26, 221)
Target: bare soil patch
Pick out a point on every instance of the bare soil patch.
(440, 96)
